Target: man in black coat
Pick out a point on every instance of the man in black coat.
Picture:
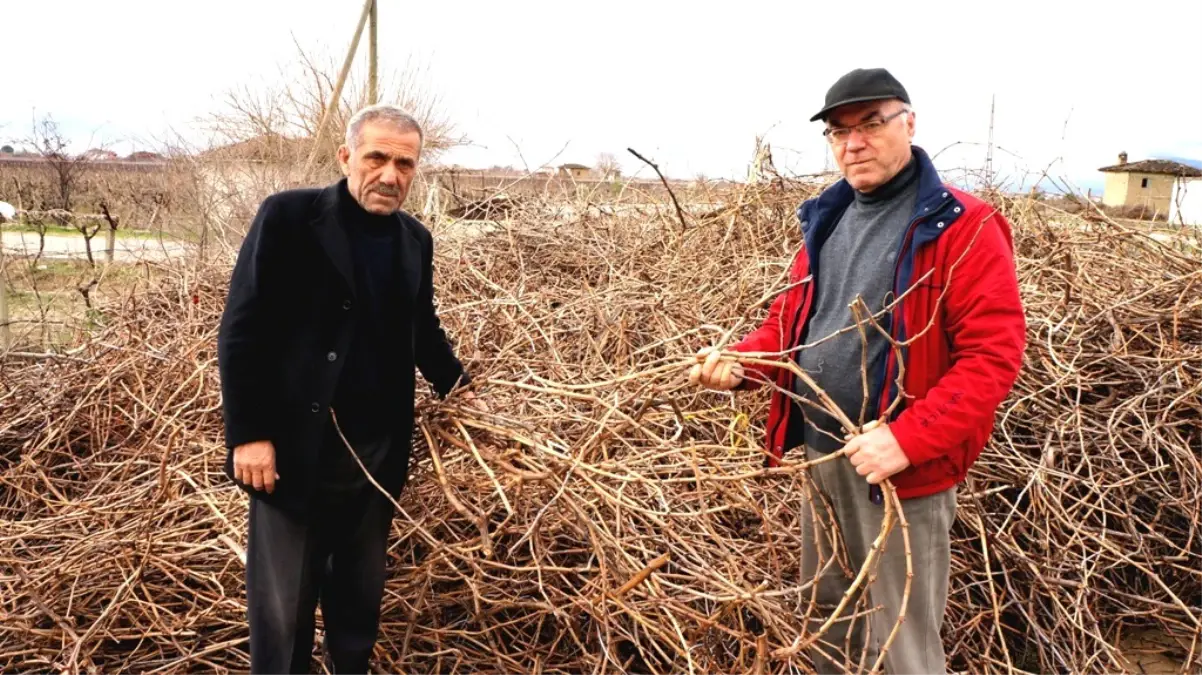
(330, 308)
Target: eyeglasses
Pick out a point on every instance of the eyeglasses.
(840, 135)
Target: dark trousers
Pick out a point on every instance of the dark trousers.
(335, 555)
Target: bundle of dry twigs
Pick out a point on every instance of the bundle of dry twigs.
(606, 516)
(1088, 527)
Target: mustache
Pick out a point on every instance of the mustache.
(386, 190)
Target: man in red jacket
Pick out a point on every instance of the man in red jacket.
(935, 267)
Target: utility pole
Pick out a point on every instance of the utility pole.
(373, 92)
(336, 95)
(989, 151)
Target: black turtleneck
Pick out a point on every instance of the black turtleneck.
(367, 401)
(858, 258)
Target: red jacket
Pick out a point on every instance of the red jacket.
(959, 252)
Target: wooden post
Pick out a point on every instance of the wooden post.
(110, 243)
(373, 92)
(336, 95)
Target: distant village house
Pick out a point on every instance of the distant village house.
(575, 171)
(145, 156)
(266, 148)
(1148, 184)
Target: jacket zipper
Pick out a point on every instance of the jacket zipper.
(884, 383)
(882, 403)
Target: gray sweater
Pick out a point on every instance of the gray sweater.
(858, 258)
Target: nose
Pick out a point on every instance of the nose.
(855, 141)
(389, 175)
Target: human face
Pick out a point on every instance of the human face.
(381, 168)
(870, 141)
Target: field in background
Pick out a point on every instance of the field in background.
(199, 206)
(196, 207)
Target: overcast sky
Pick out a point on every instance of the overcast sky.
(689, 84)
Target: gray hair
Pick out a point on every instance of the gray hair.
(381, 112)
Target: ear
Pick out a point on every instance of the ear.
(911, 124)
(344, 159)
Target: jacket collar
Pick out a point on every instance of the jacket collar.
(935, 206)
(331, 234)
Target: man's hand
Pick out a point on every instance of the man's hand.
(716, 373)
(254, 464)
(876, 454)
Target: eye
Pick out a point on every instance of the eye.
(840, 133)
(872, 126)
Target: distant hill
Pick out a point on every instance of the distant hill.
(1196, 163)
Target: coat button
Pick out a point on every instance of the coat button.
(346, 304)
(331, 357)
(316, 407)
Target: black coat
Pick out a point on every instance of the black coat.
(289, 319)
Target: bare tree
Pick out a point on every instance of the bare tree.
(280, 121)
(65, 167)
(608, 166)
(67, 170)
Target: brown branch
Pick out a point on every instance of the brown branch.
(679, 212)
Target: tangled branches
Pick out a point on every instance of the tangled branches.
(607, 517)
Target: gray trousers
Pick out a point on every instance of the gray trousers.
(918, 647)
(335, 555)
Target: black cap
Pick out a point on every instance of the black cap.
(861, 84)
